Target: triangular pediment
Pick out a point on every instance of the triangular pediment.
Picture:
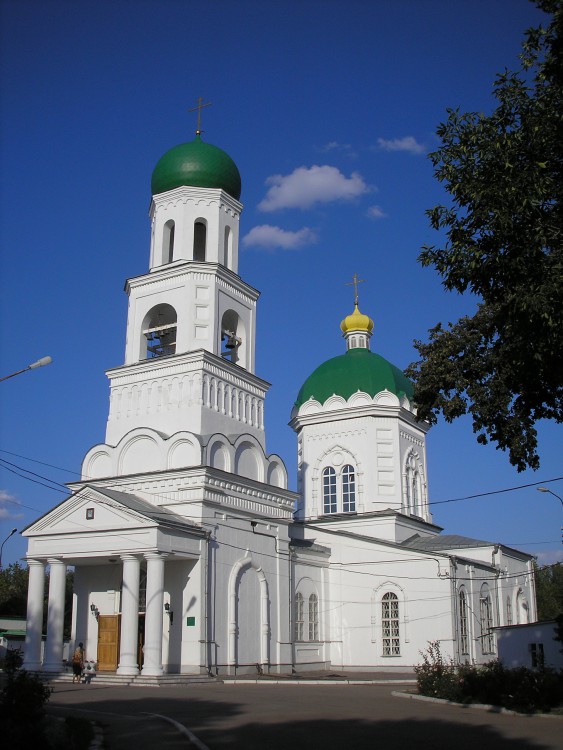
(93, 510)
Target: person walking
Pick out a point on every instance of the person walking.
(78, 663)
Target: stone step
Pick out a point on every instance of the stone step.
(117, 680)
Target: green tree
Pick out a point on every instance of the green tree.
(549, 591)
(13, 594)
(13, 590)
(503, 244)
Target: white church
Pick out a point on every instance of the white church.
(191, 555)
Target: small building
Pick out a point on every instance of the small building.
(529, 645)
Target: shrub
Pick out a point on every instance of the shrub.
(520, 689)
(436, 676)
(22, 710)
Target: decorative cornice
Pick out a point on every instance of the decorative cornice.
(187, 363)
(187, 270)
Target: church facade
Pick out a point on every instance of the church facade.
(191, 555)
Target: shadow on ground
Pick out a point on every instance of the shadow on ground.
(225, 724)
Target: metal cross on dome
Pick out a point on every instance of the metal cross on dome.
(355, 281)
(199, 107)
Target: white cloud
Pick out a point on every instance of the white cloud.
(376, 212)
(408, 143)
(549, 557)
(306, 186)
(8, 506)
(270, 237)
(344, 148)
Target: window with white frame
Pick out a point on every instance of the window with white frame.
(390, 624)
(313, 617)
(329, 490)
(339, 490)
(486, 621)
(463, 624)
(348, 489)
(299, 616)
(306, 614)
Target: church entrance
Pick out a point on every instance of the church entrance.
(108, 642)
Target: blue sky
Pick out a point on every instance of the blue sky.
(329, 109)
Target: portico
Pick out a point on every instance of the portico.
(135, 559)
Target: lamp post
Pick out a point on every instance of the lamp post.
(545, 489)
(12, 532)
(40, 363)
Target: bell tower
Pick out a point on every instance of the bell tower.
(191, 323)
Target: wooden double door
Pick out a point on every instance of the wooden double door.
(109, 629)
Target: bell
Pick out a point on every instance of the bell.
(231, 343)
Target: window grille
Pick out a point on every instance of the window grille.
(299, 622)
(313, 618)
(463, 624)
(508, 611)
(486, 618)
(536, 650)
(329, 490)
(390, 624)
(348, 489)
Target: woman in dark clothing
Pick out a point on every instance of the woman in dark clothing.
(78, 663)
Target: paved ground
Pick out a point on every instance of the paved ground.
(275, 716)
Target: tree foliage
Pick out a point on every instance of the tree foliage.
(503, 244)
(13, 590)
(549, 591)
(13, 594)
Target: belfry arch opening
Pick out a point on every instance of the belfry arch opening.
(232, 337)
(200, 240)
(159, 332)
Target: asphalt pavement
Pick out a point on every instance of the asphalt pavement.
(295, 715)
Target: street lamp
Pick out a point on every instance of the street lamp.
(12, 532)
(545, 489)
(40, 363)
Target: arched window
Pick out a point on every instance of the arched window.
(390, 625)
(463, 624)
(159, 332)
(313, 618)
(168, 242)
(348, 489)
(299, 617)
(232, 338)
(329, 490)
(200, 241)
(486, 621)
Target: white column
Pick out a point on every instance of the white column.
(55, 616)
(34, 624)
(152, 663)
(129, 616)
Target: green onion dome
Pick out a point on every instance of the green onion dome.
(196, 164)
(357, 370)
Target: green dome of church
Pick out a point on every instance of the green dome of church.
(196, 164)
(357, 370)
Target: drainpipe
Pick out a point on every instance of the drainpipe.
(207, 604)
(455, 612)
